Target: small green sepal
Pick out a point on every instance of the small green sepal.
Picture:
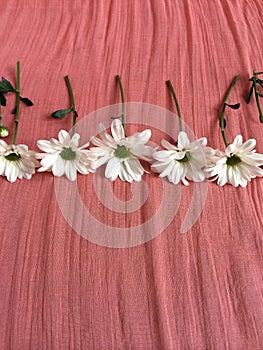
(61, 113)
(2, 100)
(234, 106)
(6, 86)
(26, 101)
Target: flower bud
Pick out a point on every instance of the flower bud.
(4, 131)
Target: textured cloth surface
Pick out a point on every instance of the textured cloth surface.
(198, 290)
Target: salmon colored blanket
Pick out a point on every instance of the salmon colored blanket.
(85, 266)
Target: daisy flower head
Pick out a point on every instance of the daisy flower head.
(238, 164)
(64, 156)
(121, 153)
(16, 161)
(182, 162)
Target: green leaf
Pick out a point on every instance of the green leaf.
(235, 106)
(224, 123)
(250, 94)
(26, 101)
(61, 113)
(2, 100)
(14, 111)
(6, 86)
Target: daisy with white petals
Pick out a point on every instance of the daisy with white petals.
(120, 153)
(182, 162)
(16, 161)
(64, 156)
(238, 164)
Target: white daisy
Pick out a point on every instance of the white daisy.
(238, 164)
(121, 153)
(16, 161)
(63, 156)
(181, 162)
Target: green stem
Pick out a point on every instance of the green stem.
(255, 74)
(118, 78)
(222, 118)
(17, 101)
(1, 115)
(176, 103)
(73, 107)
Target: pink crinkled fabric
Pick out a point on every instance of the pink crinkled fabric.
(198, 290)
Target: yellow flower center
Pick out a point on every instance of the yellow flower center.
(122, 152)
(233, 160)
(67, 154)
(12, 157)
(186, 158)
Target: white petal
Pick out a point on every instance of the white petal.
(183, 141)
(185, 182)
(140, 137)
(74, 141)
(163, 155)
(136, 166)
(84, 146)
(2, 165)
(117, 130)
(82, 168)
(58, 167)
(96, 152)
(232, 176)
(70, 170)
(124, 172)
(143, 152)
(238, 141)
(102, 160)
(11, 171)
(168, 145)
(159, 167)
(98, 142)
(248, 146)
(197, 174)
(202, 141)
(49, 160)
(243, 182)
(176, 173)
(27, 176)
(112, 165)
(222, 177)
(255, 159)
(105, 137)
(168, 169)
(116, 173)
(45, 146)
(179, 155)
(133, 169)
(64, 138)
(3, 146)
